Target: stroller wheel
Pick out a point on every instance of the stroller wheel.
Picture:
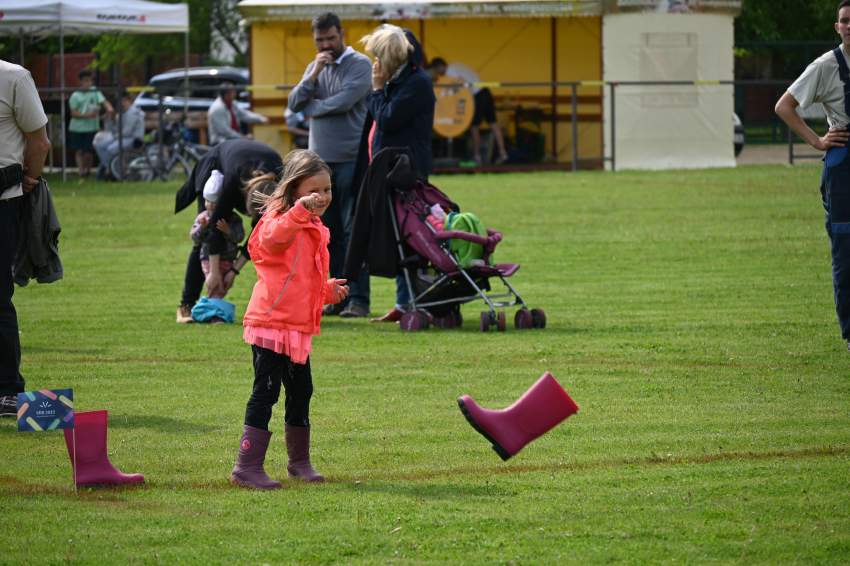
(444, 321)
(485, 321)
(413, 322)
(522, 319)
(458, 319)
(538, 318)
(503, 323)
(426, 324)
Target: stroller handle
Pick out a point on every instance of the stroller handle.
(489, 243)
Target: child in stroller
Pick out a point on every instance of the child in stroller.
(422, 245)
(392, 237)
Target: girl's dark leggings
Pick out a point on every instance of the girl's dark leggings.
(270, 370)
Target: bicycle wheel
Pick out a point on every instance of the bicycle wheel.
(152, 152)
(141, 170)
(184, 165)
(169, 159)
(177, 165)
(115, 164)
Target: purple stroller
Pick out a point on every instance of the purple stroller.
(422, 249)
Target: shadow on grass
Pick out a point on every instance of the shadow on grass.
(53, 349)
(167, 425)
(118, 420)
(470, 326)
(453, 491)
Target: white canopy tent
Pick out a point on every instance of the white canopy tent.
(45, 18)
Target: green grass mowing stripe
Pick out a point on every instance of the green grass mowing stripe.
(690, 314)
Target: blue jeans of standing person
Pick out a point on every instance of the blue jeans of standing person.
(11, 381)
(835, 193)
(402, 293)
(339, 220)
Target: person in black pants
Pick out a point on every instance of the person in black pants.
(25, 145)
(247, 166)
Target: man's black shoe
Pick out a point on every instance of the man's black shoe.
(9, 406)
(332, 310)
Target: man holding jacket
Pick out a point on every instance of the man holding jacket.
(23, 147)
(332, 94)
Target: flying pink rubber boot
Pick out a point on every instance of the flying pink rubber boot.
(92, 461)
(537, 412)
(298, 450)
(249, 471)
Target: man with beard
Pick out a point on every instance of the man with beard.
(332, 94)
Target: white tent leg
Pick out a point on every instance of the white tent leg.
(62, 83)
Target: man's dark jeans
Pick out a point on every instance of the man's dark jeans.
(339, 220)
(835, 192)
(11, 381)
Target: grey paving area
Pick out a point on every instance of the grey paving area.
(774, 154)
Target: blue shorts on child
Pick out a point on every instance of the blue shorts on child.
(81, 140)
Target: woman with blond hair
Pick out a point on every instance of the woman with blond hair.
(401, 105)
(401, 115)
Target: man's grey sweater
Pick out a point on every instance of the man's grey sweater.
(336, 105)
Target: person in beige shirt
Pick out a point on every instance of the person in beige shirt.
(23, 147)
(827, 81)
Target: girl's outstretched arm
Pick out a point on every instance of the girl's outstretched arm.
(335, 291)
(278, 233)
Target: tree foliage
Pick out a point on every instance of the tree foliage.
(782, 21)
(224, 19)
(135, 49)
(787, 20)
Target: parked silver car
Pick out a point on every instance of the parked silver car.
(172, 87)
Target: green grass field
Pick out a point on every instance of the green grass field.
(690, 316)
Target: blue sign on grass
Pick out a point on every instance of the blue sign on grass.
(45, 410)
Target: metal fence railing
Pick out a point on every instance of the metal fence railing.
(161, 93)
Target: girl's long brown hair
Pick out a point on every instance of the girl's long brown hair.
(262, 183)
(298, 166)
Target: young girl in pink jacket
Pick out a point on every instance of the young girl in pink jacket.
(289, 247)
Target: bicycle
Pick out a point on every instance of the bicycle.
(130, 154)
(177, 154)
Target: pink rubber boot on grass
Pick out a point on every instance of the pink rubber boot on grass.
(92, 461)
(538, 411)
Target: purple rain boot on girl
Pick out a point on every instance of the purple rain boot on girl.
(298, 450)
(249, 471)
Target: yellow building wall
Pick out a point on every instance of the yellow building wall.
(500, 49)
